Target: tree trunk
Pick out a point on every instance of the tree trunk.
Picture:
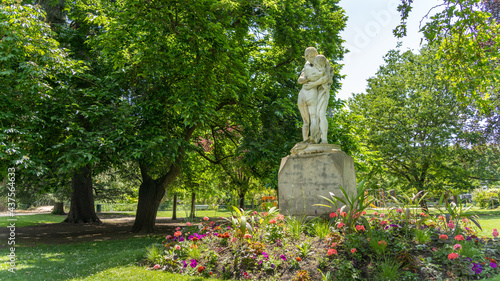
(150, 194)
(174, 211)
(193, 202)
(82, 198)
(58, 208)
(241, 199)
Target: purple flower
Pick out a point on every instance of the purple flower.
(185, 264)
(493, 265)
(478, 270)
(181, 239)
(272, 265)
(283, 257)
(193, 263)
(468, 237)
(394, 225)
(265, 255)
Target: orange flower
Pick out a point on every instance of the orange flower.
(452, 256)
(353, 250)
(459, 237)
(201, 268)
(177, 233)
(298, 259)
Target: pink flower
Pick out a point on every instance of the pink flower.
(375, 213)
(205, 218)
(280, 217)
(177, 228)
(331, 252)
(423, 214)
(382, 243)
(333, 215)
(443, 236)
(360, 228)
(272, 221)
(177, 247)
(451, 224)
(459, 238)
(353, 250)
(188, 223)
(363, 213)
(333, 245)
(457, 247)
(233, 239)
(382, 215)
(343, 214)
(264, 214)
(255, 213)
(177, 233)
(399, 210)
(383, 222)
(247, 236)
(495, 232)
(168, 237)
(157, 266)
(434, 249)
(452, 256)
(340, 225)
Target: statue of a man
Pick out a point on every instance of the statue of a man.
(316, 79)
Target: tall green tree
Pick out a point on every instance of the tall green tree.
(187, 67)
(413, 124)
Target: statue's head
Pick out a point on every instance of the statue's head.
(310, 53)
(320, 61)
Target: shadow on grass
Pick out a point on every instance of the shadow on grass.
(62, 262)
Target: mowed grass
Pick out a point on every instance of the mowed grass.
(106, 260)
(28, 220)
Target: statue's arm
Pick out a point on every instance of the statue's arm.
(303, 78)
(324, 79)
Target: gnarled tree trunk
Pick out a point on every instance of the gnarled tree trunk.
(82, 198)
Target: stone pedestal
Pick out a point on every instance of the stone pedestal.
(310, 171)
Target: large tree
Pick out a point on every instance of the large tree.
(186, 67)
(412, 123)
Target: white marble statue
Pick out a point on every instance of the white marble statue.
(316, 79)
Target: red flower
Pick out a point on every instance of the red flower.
(343, 214)
(383, 222)
(272, 221)
(340, 225)
(459, 237)
(443, 236)
(360, 228)
(452, 256)
(353, 250)
(333, 215)
(201, 268)
(331, 252)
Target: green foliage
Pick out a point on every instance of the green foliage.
(456, 212)
(353, 204)
(465, 33)
(413, 125)
(154, 254)
(486, 198)
(388, 270)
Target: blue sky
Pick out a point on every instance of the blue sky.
(369, 37)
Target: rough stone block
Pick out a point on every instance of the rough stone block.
(303, 177)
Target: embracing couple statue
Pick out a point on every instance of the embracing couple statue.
(316, 79)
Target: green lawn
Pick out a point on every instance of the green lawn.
(106, 260)
(27, 220)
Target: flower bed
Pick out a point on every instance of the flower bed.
(396, 245)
